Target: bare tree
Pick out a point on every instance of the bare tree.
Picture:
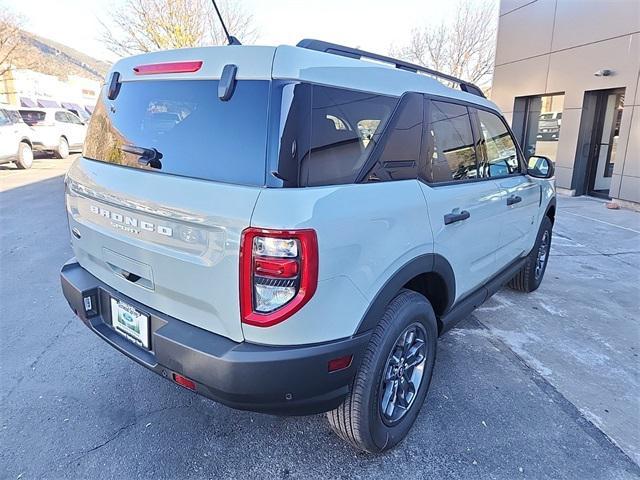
(239, 23)
(464, 49)
(140, 26)
(11, 47)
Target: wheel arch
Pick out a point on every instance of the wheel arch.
(430, 275)
(551, 210)
(27, 141)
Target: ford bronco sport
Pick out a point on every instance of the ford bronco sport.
(288, 230)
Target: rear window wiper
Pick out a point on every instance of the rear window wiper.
(149, 157)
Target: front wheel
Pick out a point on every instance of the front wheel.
(391, 384)
(530, 276)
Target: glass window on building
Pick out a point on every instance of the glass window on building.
(542, 124)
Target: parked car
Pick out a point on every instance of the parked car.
(549, 125)
(59, 130)
(81, 113)
(16, 138)
(289, 229)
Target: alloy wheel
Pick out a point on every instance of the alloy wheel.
(403, 373)
(543, 254)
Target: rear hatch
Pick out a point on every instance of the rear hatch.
(168, 180)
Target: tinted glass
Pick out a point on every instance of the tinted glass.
(32, 117)
(13, 116)
(451, 153)
(196, 134)
(500, 156)
(61, 117)
(542, 125)
(4, 119)
(73, 119)
(327, 134)
(401, 151)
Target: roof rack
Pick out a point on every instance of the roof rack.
(349, 52)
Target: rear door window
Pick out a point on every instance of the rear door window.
(451, 152)
(193, 132)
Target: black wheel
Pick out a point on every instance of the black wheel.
(62, 150)
(530, 276)
(25, 156)
(392, 381)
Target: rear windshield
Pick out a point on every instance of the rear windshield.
(194, 133)
(31, 117)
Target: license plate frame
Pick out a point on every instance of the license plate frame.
(130, 322)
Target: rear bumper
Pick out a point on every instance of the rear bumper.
(279, 380)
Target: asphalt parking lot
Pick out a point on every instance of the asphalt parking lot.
(538, 386)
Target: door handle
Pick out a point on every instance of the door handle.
(513, 199)
(456, 217)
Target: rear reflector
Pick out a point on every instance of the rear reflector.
(171, 67)
(184, 381)
(340, 363)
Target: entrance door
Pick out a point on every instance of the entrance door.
(604, 140)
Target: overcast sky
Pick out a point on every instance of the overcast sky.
(371, 25)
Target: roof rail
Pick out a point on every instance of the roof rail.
(349, 52)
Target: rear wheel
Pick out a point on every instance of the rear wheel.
(528, 279)
(393, 378)
(62, 150)
(25, 156)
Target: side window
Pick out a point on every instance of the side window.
(61, 117)
(339, 144)
(451, 151)
(400, 154)
(499, 152)
(73, 119)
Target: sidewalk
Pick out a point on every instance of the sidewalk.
(581, 329)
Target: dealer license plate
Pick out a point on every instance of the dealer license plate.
(130, 323)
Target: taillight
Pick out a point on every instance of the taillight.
(278, 273)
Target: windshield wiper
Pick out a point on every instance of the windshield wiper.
(149, 157)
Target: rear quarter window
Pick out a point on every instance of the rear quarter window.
(327, 133)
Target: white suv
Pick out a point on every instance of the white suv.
(16, 138)
(289, 229)
(58, 130)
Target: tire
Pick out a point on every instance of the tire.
(362, 419)
(528, 279)
(25, 156)
(62, 150)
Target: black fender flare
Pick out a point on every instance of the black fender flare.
(427, 263)
(550, 205)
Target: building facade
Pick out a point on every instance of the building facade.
(28, 88)
(567, 77)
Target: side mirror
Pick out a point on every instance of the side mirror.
(540, 167)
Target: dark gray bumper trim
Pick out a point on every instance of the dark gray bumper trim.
(282, 380)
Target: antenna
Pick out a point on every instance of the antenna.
(230, 38)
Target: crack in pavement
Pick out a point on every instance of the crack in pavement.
(117, 433)
(35, 362)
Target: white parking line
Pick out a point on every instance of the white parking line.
(600, 221)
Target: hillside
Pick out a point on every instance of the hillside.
(50, 57)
